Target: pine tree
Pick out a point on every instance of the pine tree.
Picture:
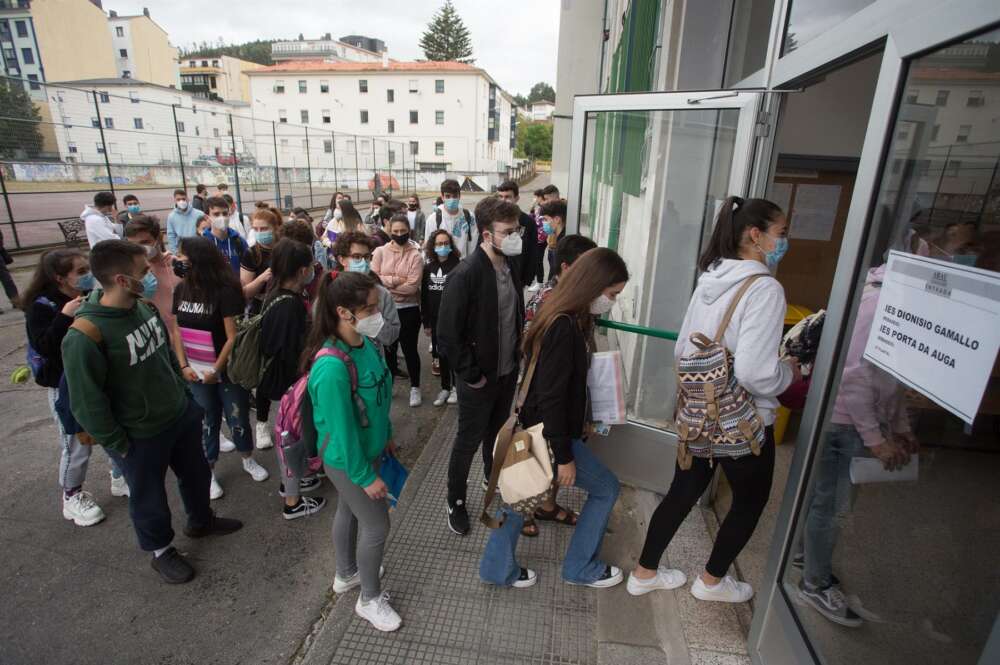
(19, 135)
(446, 37)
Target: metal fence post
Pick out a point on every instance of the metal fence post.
(333, 149)
(377, 181)
(236, 167)
(357, 171)
(10, 213)
(309, 173)
(277, 178)
(104, 144)
(180, 154)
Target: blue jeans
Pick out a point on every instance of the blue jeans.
(218, 400)
(581, 565)
(831, 500)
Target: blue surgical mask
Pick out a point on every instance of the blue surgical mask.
(85, 282)
(135, 209)
(149, 285)
(265, 237)
(775, 255)
(451, 205)
(442, 251)
(358, 265)
(548, 228)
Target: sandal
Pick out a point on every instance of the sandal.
(569, 518)
(530, 529)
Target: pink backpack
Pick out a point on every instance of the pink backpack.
(294, 428)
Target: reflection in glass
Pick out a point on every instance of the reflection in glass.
(905, 572)
(808, 19)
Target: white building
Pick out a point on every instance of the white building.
(541, 110)
(142, 49)
(328, 49)
(446, 116)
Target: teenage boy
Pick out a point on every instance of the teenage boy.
(128, 394)
(374, 217)
(239, 221)
(453, 218)
(418, 222)
(479, 332)
(221, 189)
(353, 251)
(144, 230)
(550, 193)
(228, 240)
(200, 194)
(97, 219)
(509, 191)
(132, 208)
(182, 222)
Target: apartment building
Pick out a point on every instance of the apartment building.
(360, 49)
(142, 49)
(220, 78)
(448, 116)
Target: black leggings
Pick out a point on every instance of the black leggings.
(750, 478)
(447, 376)
(409, 332)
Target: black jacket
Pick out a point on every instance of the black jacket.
(530, 249)
(558, 393)
(46, 326)
(432, 286)
(469, 318)
(282, 338)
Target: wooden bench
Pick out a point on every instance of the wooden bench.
(74, 232)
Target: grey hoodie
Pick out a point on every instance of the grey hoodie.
(753, 334)
(99, 226)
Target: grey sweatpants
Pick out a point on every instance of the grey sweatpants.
(74, 457)
(356, 511)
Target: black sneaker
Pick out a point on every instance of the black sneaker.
(458, 517)
(830, 602)
(172, 567)
(306, 485)
(526, 579)
(218, 526)
(799, 561)
(307, 505)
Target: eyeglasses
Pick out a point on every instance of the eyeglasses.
(518, 231)
(360, 257)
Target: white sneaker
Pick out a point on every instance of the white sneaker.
(81, 509)
(612, 577)
(665, 578)
(527, 578)
(215, 489)
(453, 397)
(256, 471)
(379, 613)
(226, 444)
(263, 432)
(727, 590)
(441, 398)
(119, 486)
(341, 585)
(416, 399)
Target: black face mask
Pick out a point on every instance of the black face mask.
(401, 240)
(412, 206)
(181, 268)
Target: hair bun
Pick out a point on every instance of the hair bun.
(737, 202)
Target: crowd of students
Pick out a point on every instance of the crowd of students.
(135, 340)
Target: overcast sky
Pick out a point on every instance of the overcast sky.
(514, 40)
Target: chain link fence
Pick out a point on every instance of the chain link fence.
(61, 144)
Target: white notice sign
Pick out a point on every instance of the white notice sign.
(815, 212)
(937, 329)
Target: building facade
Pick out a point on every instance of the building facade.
(328, 49)
(219, 78)
(451, 116)
(142, 49)
(541, 110)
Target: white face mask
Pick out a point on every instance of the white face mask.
(182, 205)
(511, 245)
(219, 223)
(601, 305)
(370, 326)
(337, 214)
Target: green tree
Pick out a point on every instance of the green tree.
(520, 100)
(541, 91)
(19, 122)
(446, 37)
(534, 140)
(258, 51)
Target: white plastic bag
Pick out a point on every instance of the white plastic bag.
(607, 388)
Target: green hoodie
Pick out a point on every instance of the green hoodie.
(128, 387)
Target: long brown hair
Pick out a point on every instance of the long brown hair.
(336, 289)
(53, 263)
(350, 218)
(579, 286)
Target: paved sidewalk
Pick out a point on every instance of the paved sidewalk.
(449, 616)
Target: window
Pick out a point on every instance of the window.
(137, 123)
(180, 126)
(902, 134)
(413, 117)
(109, 123)
(390, 95)
(10, 54)
(119, 31)
(363, 85)
(304, 116)
(975, 98)
(414, 147)
(123, 52)
(104, 97)
(215, 63)
(953, 167)
(413, 85)
(439, 86)
(912, 96)
(134, 96)
(184, 151)
(438, 117)
(327, 146)
(284, 143)
(71, 147)
(942, 98)
(325, 113)
(27, 56)
(392, 127)
(33, 82)
(215, 132)
(324, 86)
(363, 146)
(349, 145)
(364, 117)
(22, 28)
(934, 132)
(282, 115)
(439, 148)
(141, 149)
(305, 145)
(100, 148)
(95, 123)
(392, 157)
(126, 74)
(197, 130)
(963, 134)
(302, 87)
(204, 63)
(192, 63)
(279, 87)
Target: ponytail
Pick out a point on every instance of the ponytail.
(736, 216)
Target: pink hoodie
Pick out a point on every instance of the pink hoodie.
(401, 269)
(869, 399)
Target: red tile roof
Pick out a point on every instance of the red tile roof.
(393, 65)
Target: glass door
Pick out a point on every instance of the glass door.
(647, 174)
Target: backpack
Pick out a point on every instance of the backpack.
(294, 428)
(716, 416)
(35, 360)
(246, 362)
(468, 221)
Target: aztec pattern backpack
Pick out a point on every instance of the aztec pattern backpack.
(716, 416)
